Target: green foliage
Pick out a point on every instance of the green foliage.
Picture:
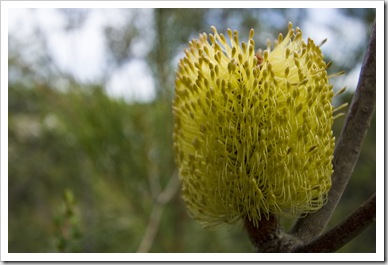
(105, 151)
(66, 223)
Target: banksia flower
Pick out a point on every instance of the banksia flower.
(252, 131)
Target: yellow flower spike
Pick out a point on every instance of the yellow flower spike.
(252, 132)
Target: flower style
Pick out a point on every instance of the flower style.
(252, 132)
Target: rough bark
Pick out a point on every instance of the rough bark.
(269, 236)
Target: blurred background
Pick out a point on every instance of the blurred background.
(91, 166)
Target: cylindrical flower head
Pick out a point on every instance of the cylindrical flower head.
(253, 132)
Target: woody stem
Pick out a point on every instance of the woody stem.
(269, 237)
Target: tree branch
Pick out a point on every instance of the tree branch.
(344, 232)
(170, 189)
(152, 228)
(156, 213)
(348, 147)
(269, 237)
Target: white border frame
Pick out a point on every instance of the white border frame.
(380, 93)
